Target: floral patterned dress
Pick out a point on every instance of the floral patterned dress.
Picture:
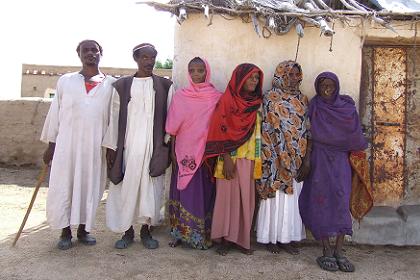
(284, 133)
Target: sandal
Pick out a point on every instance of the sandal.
(344, 264)
(327, 263)
(174, 243)
(124, 242)
(273, 248)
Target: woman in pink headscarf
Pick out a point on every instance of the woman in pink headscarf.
(192, 191)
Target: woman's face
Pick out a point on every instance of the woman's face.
(197, 72)
(327, 88)
(252, 82)
(294, 76)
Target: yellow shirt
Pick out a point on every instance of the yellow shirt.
(251, 150)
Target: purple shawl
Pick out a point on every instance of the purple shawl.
(335, 122)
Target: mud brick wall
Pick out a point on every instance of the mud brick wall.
(21, 122)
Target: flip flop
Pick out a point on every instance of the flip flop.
(174, 243)
(344, 264)
(327, 263)
(273, 248)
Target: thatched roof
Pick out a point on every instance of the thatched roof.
(279, 16)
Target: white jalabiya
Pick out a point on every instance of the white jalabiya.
(77, 122)
(278, 218)
(138, 198)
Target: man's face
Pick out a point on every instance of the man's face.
(146, 59)
(90, 54)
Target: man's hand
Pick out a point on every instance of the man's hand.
(49, 153)
(228, 167)
(110, 157)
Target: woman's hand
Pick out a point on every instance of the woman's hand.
(228, 167)
(304, 170)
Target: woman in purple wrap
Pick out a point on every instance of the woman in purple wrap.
(325, 197)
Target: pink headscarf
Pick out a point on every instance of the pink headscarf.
(188, 119)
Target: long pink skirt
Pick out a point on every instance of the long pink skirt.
(234, 206)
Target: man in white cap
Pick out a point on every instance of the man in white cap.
(137, 154)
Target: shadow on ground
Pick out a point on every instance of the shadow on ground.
(36, 257)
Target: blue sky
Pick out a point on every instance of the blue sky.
(47, 32)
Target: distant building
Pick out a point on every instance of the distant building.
(41, 80)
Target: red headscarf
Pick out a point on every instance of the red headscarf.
(233, 120)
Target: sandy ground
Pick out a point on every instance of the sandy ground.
(36, 257)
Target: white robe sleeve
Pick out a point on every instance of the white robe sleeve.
(171, 93)
(111, 136)
(52, 121)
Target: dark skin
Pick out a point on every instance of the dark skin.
(229, 167)
(326, 90)
(197, 71)
(89, 55)
(145, 59)
(294, 82)
(294, 77)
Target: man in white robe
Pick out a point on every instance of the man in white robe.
(137, 153)
(74, 129)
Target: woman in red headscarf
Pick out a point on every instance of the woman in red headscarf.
(235, 138)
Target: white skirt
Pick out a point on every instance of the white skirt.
(279, 219)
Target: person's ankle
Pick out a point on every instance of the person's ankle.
(81, 230)
(338, 253)
(66, 232)
(327, 252)
(144, 231)
(129, 233)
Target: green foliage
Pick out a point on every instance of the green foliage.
(158, 64)
(166, 65)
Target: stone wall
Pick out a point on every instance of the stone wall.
(21, 122)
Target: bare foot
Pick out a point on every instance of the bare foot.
(289, 248)
(247, 251)
(174, 242)
(244, 250)
(273, 248)
(223, 249)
